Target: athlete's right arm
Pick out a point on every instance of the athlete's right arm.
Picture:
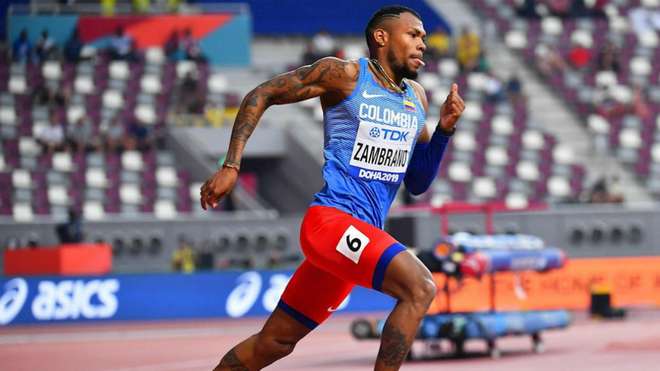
(327, 75)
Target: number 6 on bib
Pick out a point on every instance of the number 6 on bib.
(352, 243)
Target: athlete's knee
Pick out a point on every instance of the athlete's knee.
(273, 346)
(423, 291)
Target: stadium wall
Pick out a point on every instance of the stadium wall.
(340, 17)
(155, 297)
(224, 38)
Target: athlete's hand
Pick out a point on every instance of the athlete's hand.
(217, 186)
(451, 110)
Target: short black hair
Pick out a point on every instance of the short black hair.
(382, 14)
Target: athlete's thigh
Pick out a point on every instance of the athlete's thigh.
(347, 247)
(312, 295)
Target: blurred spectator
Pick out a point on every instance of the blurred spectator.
(549, 60)
(183, 258)
(493, 88)
(141, 6)
(46, 48)
(22, 48)
(640, 106)
(112, 135)
(514, 90)
(72, 47)
(644, 19)
(323, 44)
(559, 8)
(608, 58)
(108, 7)
(439, 44)
(189, 100)
(205, 258)
(171, 48)
(45, 95)
(579, 56)
(71, 231)
(468, 49)
(138, 136)
(80, 135)
(51, 137)
(191, 48)
(602, 192)
(526, 9)
(121, 45)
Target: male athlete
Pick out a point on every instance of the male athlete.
(375, 138)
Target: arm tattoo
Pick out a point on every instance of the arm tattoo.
(393, 347)
(231, 362)
(303, 83)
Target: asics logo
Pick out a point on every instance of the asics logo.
(369, 96)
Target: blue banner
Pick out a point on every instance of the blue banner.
(155, 296)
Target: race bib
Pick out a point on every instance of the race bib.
(381, 152)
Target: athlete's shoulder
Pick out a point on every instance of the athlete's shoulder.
(339, 68)
(419, 92)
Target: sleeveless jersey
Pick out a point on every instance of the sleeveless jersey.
(369, 140)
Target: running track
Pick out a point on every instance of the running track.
(633, 344)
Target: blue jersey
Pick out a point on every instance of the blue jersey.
(369, 140)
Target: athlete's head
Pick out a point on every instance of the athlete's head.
(399, 32)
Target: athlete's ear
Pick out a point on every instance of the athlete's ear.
(381, 36)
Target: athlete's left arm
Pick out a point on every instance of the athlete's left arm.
(429, 149)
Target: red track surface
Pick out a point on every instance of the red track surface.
(633, 344)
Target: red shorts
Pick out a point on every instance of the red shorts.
(341, 252)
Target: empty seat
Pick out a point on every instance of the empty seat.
(57, 195)
(17, 84)
(146, 114)
(84, 84)
(62, 161)
(113, 99)
(516, 39)
(7, 115)
(167, 177)
(151, 84)
(459, 172)
(516, 200)
(218, 83)
(484, 187)
(96, 177)
(533, 140)
(559, 187)
(93, 210)
(154, 55)
(497, 156)
(563, 155)
(51, 70)
(132, 161)
(21, 178)
(119, 70)
(165, 209)
(130, 194)
(528, 170)
(22, 212)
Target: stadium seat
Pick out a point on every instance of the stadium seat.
(484, 188)
(57, 195)
(22, 212)
(151, 84)
(165, 209)
(96, 177)
(119, 70)
(21, 179)
(51, 70)
(167, 177)
(93, 210)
